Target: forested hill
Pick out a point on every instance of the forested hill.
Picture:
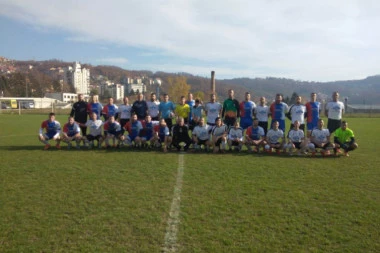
(43, 76)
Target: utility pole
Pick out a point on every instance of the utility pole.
(212, 82)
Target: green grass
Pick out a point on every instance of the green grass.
(119, 201)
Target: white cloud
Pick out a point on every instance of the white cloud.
(313, 40)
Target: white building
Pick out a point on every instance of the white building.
(81, 79)
(62, 96)
(116, 91)
(136, 87)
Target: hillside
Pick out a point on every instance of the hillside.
(20, 78)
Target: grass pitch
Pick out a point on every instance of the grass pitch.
(119, 201)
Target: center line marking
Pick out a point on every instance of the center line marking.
(173, 220)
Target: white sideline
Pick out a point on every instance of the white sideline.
(173, 220)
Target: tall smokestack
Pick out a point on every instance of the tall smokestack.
(213, 82)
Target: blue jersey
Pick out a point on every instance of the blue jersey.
(246, 109)
(147, 130)
(312, 110)
(96, 108)
(71, 130)
(278, 111)
(109, 110)
(166, 108)
(112, 128)
(191, 104)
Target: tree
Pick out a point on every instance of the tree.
(178, 87)
(200, 95)
(94, 92)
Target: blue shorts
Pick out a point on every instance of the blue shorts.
(147, 137)
(245, 122)
(49, 136)
(311, 126)
(132, 137)
(114, 133)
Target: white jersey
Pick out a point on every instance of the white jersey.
(235, 133)
(261, 113)
(320, 135)
(219, 131)
(124, 111)
(335, 110)
(274, 136)
(296, 135)
(95, 127)
(297, 112)
(212, 111)
(202, 132)
(153, 108)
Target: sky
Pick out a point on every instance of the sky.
(299, 39)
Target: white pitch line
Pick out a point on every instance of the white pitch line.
(173, 221)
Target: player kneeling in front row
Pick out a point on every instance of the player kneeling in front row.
(255, 136)
(296, 139)
(320, 138)
(201, 135)
(235, 137)
(219, 136)
(52, 131)
(133, 127)
(71, 132)
(162, 135)
(147, 132)
(95, 126)
(344, 139)
(275, 138)
(112, 131)
(181, 134)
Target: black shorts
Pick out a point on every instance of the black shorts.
(84, 130)
(297, 145)
(333, 124)
(192, 125)
(202, 142)
(90, 137)
(234, 143)
(324, 146)
(169, 124)
(218, 142)
(229, 121)
(155, 118)
(264, 125)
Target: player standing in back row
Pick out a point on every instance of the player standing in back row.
(334, 111)
(231, 109)
(246, 111)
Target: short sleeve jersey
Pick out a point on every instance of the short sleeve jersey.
(71, 129)
(278, 110)
(275, 135)
(344, 135)
(235, 133)
(212, 111)
(95, 127)
(153, 108)
(297, 112)
(261, 113)
(109, 110)
(166, 108)
(219, 131)
(320, 134)
(125, 111)
(296, 135)
(334, 110)
(182, 111)
(246, 109)
(313, 109)
(51, 128)
(202, 132)
(255, 133)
